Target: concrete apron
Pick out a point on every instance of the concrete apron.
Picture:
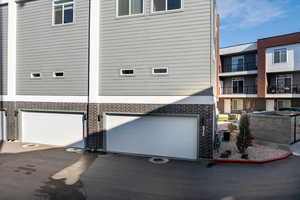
(295, 148)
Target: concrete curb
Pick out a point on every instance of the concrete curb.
(284, 156)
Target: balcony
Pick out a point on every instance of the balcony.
(246, 91)
(248, 68)
(291, 89)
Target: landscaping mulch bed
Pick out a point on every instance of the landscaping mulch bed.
(255, 152)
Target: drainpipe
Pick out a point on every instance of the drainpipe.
(88, 86)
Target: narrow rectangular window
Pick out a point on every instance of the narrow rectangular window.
(35, 75)
(127, 72)
(165, 5)
(63, 11)
(160, 71)
(58, 74)
(130, 7)
(238, 86)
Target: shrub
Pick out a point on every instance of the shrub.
(242, 142)
(226, 154)
(244, 156)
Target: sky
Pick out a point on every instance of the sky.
(244, 21)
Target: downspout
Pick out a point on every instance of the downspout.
(87, 140)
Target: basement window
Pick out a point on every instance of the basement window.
(130, 7)
(160, 71)
(166, 5)
(58, 74)
(63, 12)
(127, 72)
(35, 75)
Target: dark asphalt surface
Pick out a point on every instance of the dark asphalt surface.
(116, 177)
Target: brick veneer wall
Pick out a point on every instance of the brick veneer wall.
(262, 45)
(95, 123)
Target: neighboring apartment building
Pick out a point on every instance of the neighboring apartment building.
(260, 76)
(131, 76)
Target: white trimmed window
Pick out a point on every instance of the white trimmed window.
(237, 104)
(130, 7)
(63, 12)
(160, 71)
(127, 72)
(35, 75)
(58, 74)
(280, 55)
(166, 5)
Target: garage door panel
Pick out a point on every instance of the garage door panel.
(152, 135)
(52, 128)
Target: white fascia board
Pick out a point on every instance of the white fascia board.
(58, 99)
(238, 48)
(94, 49)
(208, 100)
(238, 96)
(156, 99)
(12, 48)
(224, 74)
(3, 2)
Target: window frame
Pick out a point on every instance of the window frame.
(130, 14)
(121, 72)
(33, 77)
(237, 58)
(160, 74)
(63, 13)
(166, 10)
(238, 80)
(58, 77)
(280, 54)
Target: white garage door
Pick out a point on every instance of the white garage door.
(57, 129)
(152, 135)
(2, 126)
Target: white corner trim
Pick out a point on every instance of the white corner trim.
(94, 49)
(156, 99)
(12, 48)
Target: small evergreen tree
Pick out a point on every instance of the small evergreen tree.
(242, 142)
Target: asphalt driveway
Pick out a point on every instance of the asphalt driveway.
(56, 174)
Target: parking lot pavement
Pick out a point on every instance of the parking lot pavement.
(56, 174)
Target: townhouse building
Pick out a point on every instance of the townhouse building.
(125, 76)
(260, 76)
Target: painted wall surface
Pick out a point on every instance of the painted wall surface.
(44, 48)
(3, 48)
(179, 40)
(293, 59)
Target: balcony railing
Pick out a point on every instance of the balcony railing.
(239, 90)
(292, 89)
(249, 66)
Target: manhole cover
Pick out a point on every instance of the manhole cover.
(75, 150)
(30, 145)
(158, 160)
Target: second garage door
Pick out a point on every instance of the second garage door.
(58, 129)
(153, 135)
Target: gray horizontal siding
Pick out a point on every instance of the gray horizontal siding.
(44, 48)
(180, 41)
(3, 48)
